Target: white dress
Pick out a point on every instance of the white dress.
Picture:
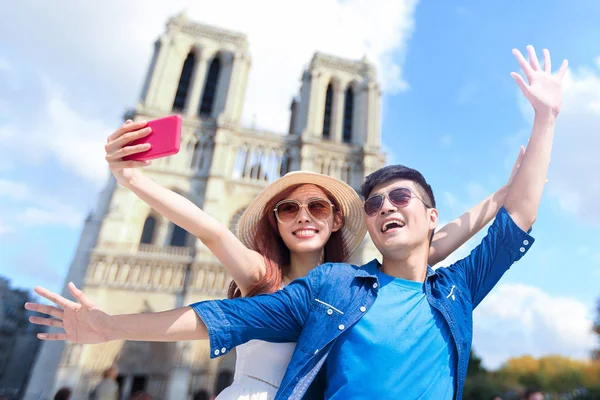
(259, 369)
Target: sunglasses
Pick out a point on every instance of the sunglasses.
(287, 210)
(399, 197)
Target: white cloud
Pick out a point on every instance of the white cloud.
(34, 208)
(575, 160)
(282, 40)
(14, 190)
(63, 216)
(517, 319)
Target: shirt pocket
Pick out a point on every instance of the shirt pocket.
(323, 321)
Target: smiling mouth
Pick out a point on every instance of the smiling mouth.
(305, 233)
(390, 225)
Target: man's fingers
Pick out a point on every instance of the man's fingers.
(79, 295)
(563, 69)
(52, 336)
(533, 60)
(53, 297)
(525, 66)
(547, 61)
(57, 323)
(44, 309)
(520, 82)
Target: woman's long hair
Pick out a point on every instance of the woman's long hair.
(269, 244)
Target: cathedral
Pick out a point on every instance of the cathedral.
(130, 259)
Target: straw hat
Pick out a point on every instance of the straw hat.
(354, 228)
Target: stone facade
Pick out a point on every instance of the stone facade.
(130, 259)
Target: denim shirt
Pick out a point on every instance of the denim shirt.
(316, 309)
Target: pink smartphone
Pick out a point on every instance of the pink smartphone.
(164, 139)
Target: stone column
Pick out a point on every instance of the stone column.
(156, 73)
(225, 84)
(199, 77)
(314, 105)
(337, 117)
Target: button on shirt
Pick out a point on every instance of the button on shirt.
(299, 312)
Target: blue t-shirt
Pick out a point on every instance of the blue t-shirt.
(401, 349)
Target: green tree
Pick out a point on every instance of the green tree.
(596, 354)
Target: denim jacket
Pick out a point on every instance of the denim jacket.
(313, 311)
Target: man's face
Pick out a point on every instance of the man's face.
(395, 228)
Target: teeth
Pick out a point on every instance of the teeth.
(388, 223)
(308, 232)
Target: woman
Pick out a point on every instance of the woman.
(298, 222)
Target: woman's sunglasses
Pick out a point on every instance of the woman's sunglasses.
(399, 197)
(287, 210)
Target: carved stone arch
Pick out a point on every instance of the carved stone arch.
(336, 82)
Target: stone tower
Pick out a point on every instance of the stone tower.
(130, 259)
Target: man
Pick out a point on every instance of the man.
(108, 388)
(395, 330)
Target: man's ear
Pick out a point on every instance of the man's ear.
(433, 218)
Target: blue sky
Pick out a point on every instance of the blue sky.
(450, 109)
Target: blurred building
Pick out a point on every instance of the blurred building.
(130, 259)
(18, 342)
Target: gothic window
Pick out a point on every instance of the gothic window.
(210, 88)
(285, 165)
(184, 83)
(148, 231)
(178, 237)
(348, 114)
(327, 114)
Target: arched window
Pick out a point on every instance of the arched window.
(184, 82)
(327, 114)
(286, 162)
(348, 114)
(148, 230)
(178, 236)
(210, 88)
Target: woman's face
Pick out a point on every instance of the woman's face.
(310, 228)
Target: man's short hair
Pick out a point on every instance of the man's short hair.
(393, 172)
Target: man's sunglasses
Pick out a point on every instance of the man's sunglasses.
(287, 210)
(399, 197)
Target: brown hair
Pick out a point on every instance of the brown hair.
(269, 244)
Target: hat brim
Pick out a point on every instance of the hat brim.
(354, 229)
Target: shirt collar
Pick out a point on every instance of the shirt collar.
(369, 270)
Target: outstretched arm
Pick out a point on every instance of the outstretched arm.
(544, 92)
(245, 266)
(277, 317)
(457, 232)
(83, 322)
